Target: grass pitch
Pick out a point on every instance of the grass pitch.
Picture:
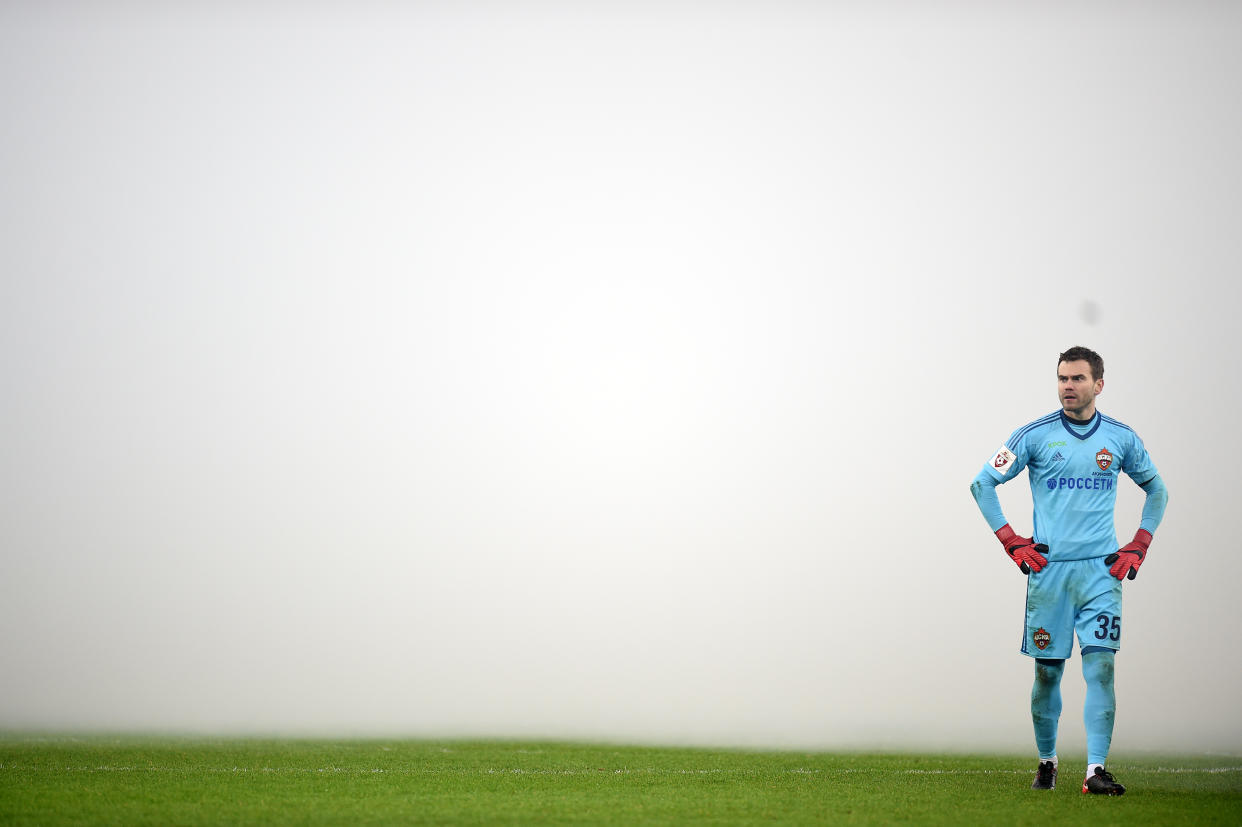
(174, 781)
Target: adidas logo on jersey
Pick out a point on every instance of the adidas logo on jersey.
(1057, 457)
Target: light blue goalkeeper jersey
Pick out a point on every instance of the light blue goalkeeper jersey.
(1074, 471)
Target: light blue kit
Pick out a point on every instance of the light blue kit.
(1073, 470)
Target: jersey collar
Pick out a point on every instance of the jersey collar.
(1095, 425)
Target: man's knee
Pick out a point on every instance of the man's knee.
(1097, 667)
(1048, 672)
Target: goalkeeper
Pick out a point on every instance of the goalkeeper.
(1074, 565)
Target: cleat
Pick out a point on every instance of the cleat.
(1102, 783)
(1045, 776)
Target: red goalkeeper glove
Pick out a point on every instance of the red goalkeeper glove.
(1024, 551)
(1126, 560)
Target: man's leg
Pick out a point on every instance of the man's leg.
(1046, 706)
(1046, 714)
(1101, 704)
(1098, 713)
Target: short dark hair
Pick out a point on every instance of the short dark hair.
(1093, 359)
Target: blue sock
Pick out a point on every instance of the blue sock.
(1046, 705)
(1101, 704)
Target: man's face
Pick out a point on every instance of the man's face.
(1077, 388)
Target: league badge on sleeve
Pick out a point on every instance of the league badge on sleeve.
(1004, 460)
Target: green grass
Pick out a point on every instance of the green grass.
(173, 781)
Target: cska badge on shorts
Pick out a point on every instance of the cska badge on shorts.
(1041, 638)
(1104, 458)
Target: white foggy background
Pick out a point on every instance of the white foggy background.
(611, 371)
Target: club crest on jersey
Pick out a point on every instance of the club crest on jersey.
(1041, 638)
(1104, 458)
(1003, 461)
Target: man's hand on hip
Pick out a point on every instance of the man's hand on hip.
(1025, 552)
(1126, 560)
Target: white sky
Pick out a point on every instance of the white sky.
(605, 371)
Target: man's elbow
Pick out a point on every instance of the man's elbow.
(1155, 487)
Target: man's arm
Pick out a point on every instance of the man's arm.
(983, 489)
(1125, 561)
(1154, 505)
(1025, 553)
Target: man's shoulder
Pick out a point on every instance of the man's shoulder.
(1113, 421)
(1035, 426)
(1116, 425)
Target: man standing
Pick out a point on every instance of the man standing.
(1075, 569)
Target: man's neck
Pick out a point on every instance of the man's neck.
(1082, 417)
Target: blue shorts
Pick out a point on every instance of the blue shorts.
(1071, 596)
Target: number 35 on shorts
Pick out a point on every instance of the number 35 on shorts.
(1109, 627)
